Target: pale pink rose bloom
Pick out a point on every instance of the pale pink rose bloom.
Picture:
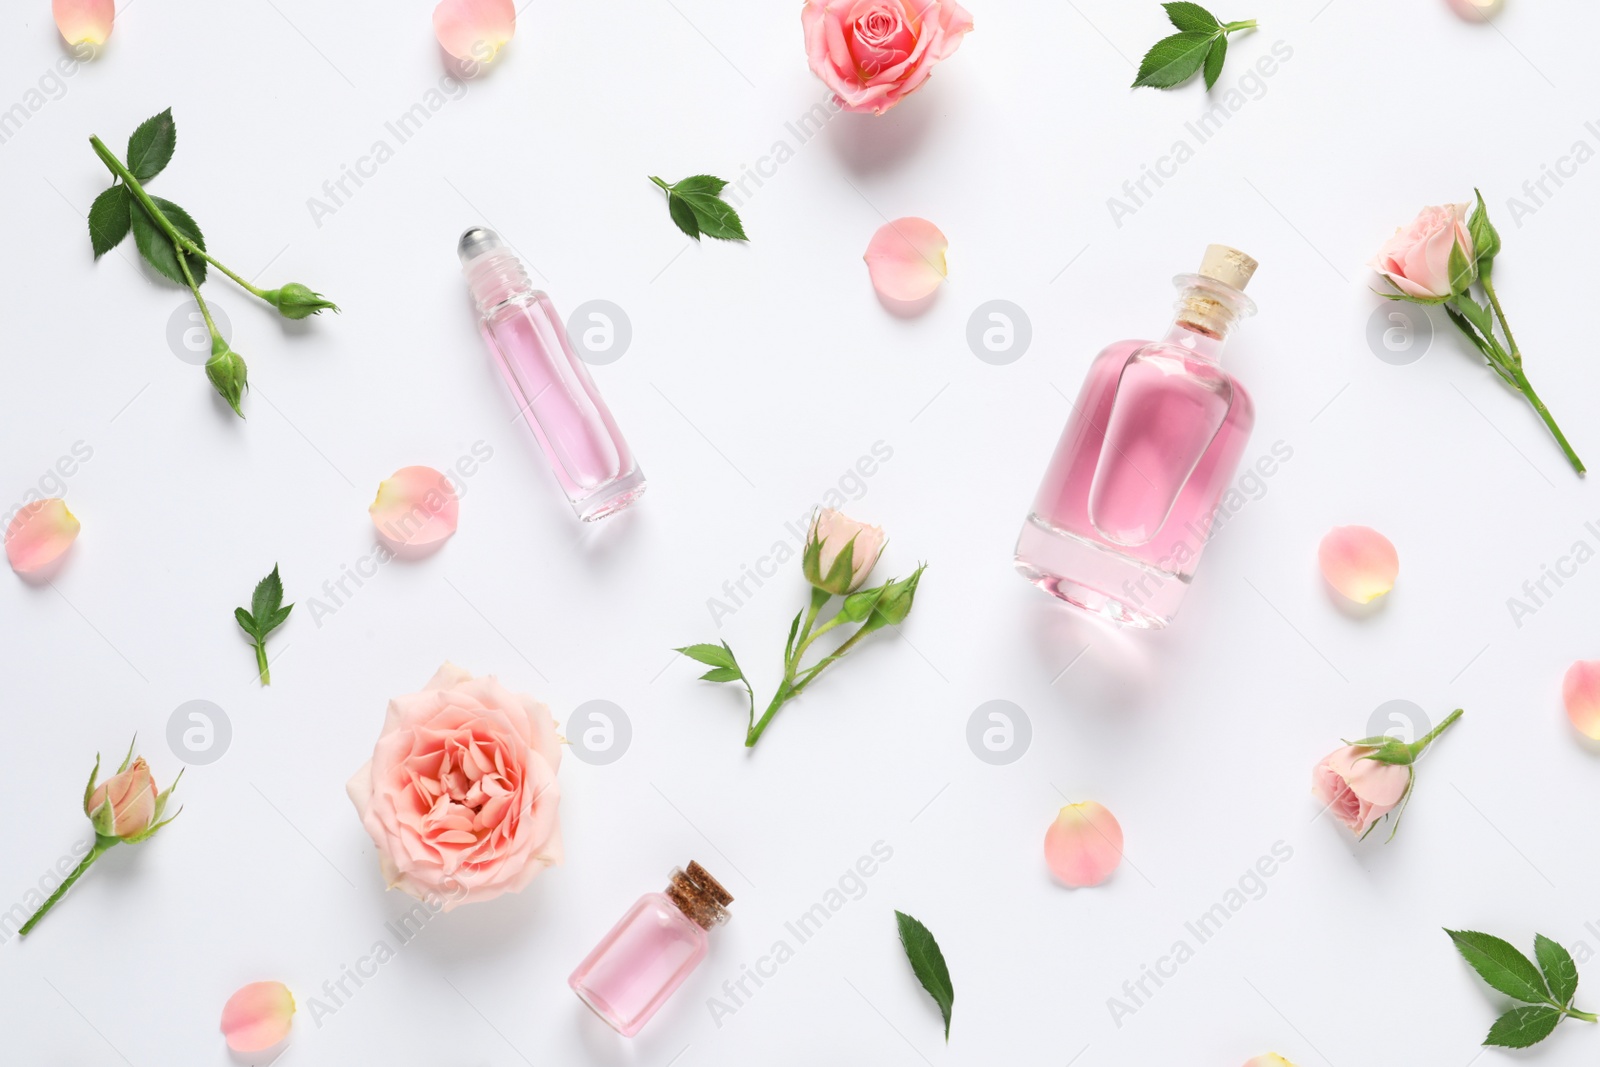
(257, 1016)
(474, 30)
(1083, 846)
(84, 21)
(906, 259)
(1580, 691)
(416, 511)
(873, 53)
(1417, 258)
(1359, 562)
(38, 534)
(832, 531)
(132, 796)
(1358, 791)
(460, 796)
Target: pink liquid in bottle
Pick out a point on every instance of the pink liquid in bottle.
(550, 384)
(1155, 437)
(651, 951)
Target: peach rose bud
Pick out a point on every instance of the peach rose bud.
(415, 511)
(1083, 847)
(258, 1016)
(1580, 690)
(84, 21)
(124, 805)
(1359, 562)
(906, 259)
(474, 30)
(841, 552)
(38, 535)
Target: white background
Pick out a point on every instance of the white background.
(756, 379)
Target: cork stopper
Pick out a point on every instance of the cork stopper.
(1229, 266)
(699, 896)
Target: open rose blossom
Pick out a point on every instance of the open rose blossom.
(1083, 846)
(460, 795)
(1416, 260)
(874, 53)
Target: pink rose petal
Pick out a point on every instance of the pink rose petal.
(906, 259)
(1359, 562)
(1084, 845)
(84, 21)
(1271, 1059)
(474, 30)
(1477, 10)
(415, 511)
(257, 1016)
(39, 533)
(1580, 690)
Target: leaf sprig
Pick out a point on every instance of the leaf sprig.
(696, 205)
(171, 242)
(267, 612)
(1547, 990)
(927, 963)
(1201, 41)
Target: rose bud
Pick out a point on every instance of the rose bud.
(840, 552)
(1421, 260)
(227, 372)
(296, 301)
(1368, 779)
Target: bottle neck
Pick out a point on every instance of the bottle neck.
(495, 278)
(1207, 312)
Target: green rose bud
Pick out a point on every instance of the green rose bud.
(295, 301)
(226, 370)
(895, 603)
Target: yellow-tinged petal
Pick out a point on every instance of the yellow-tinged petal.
(1271, 1059)
(258, 1016)
(415, 511)
(84, 21)
(474, 30)
(1580, 690)
(1084, 845)
(1359, 562)
(38, 534)
(906, 259)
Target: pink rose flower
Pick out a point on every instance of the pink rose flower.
(124, 805)
(1416, 260)
(873, 53)
(1358, 791)
(460, 795)
(831, 533)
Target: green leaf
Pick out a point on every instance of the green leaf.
(1501, 965)
(715, 216)
(157, 248)
(246, 622)
(794, 628)
(110, 218)
(1214, 60)
(1485, 238)
(927, 963)
(700, 183)
(279, 616)
(711, 655)
(1560, 973)
(683, 215)
(268, 596)
(723, 674)
(150, 147)
(1173, 60)
(1192, 17)
(1521, 1027)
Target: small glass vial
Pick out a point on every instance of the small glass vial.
(1155, 437)
(548, 381)
(651, 950)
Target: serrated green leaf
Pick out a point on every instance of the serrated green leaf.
(709, 184)
(1560, 973)
(711, 655)
(723, 674)
(157, 248)
(715, 216)
(150, 148)
(1192, 17)
(1521, 1027)
(110, 218)
(927, 963)
(683, 215)
(264, 603)
(280, 616)
(1500, 964)
(1214, 60)
(246, 621)
(1173, 60)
